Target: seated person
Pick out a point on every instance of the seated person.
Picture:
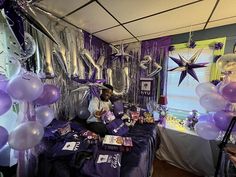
(97, 107)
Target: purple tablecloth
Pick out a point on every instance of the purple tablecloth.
(83, 162)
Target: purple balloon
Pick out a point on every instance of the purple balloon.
(44, 115)
(207, 130)
(3, 136)
(206, 118)
(229, 92)
(5, 102)
(83, 112)
(223, 118)
(3, 82)
(213, 102)
(26, 135)
(26, 87)
(51, 94)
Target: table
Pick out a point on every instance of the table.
(185, 149)
(137, 162)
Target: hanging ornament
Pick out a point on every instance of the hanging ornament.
(187, 66)
(191, 43)
(120, 52)
(145, 64)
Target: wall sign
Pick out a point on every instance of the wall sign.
(146, 86)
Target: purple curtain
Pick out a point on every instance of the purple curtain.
(158, 50)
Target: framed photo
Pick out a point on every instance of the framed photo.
(146, 86)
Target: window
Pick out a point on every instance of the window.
(183, 97)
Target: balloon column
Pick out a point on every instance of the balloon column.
(219, 99)
(26, 90)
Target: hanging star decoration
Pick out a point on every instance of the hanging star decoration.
(120, 52)
(187, 66)
(90, 86)
(15, 11)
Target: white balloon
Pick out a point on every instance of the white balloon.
(205, 88)
(44, 115)
(26, 135)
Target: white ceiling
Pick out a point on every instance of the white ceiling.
(116, 21)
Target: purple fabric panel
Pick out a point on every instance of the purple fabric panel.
(152, 44)
(158, 50)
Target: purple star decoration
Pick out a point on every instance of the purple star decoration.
(92, 82)
(187, 66)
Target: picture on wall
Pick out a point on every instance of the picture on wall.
(146, 86)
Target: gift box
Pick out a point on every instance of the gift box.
(90, 137)
(117, 143)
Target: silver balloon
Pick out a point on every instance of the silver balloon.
(30, 47)
(47, 57)
(147, 58)
(100, 64)
(227, 62)
(80, 45)
(81, 68)
(71, 41)
(60, 50)
(28, 12)
(155, 71)
(145, 61)
(38, 57)
(145, 64)
(101, 60)
(87, 57)
(120, 80)
(15, 49)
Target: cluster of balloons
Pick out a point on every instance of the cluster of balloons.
(27, 87)
(219, 100)
(21, 86)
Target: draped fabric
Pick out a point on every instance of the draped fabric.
(158, 50)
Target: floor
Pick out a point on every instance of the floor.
(163, 169)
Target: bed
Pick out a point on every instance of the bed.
(87, 159)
